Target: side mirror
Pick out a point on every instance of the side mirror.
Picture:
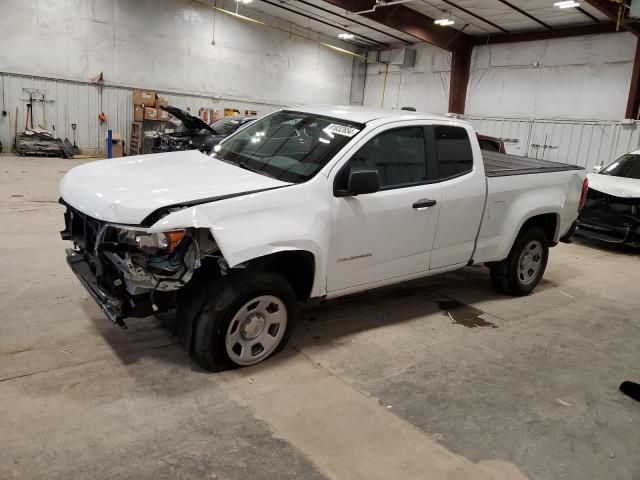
(597, 168)
(363, 180)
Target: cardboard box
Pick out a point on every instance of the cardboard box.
(144, 97)
(150, 113)
(138, 113)
(117, 145)
(163, 115)
(161, 102)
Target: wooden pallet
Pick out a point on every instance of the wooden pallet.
(135, 142)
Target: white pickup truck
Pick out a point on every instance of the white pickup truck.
(306, 204)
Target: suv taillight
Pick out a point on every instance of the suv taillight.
(583, 195)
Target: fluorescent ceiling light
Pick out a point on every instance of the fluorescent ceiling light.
(345, 35)
(244, 1)
(333, 47)
(237, 15)
(443, 22)
(566, 4)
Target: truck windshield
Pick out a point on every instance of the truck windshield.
(626, 166)
(290, 146)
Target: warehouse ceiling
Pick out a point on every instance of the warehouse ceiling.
(322, 17)
(477, 18)
(495, 16)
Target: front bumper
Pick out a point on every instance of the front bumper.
(110, 305)
(123, 280)
(610, 219)
(606, 232)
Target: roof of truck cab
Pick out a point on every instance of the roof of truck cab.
(364, 115)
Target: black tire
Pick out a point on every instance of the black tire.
(508, 278)
(210, 332)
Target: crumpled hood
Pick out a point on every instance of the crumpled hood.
(128, 189)
(617, 186)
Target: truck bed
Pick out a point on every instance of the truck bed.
(502, 164)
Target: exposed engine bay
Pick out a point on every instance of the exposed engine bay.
(130, 271)
(180, 141)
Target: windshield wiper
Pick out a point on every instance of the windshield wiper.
(252, 169)
(245, 166)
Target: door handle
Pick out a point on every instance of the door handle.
(424, 203)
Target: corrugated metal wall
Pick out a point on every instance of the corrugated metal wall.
(80, 103)
(584, 143)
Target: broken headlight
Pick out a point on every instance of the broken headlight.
(152, 242)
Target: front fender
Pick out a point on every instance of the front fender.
(253, 226)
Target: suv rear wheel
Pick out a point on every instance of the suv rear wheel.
(523, 269)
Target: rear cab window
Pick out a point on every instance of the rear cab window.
(453, 151)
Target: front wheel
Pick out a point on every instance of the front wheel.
(247, 322)
(523, 269)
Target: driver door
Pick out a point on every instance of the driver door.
(387, 234)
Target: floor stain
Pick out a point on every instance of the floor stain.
(461, 314)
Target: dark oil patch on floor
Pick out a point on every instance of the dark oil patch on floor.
(465, 315)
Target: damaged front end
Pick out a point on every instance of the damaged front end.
(130, 271)
(610, 218)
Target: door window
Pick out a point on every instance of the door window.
(398, 155)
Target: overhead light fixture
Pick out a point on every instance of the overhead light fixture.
(443, 22)
(345, 36)
(333, 47)
(237, 15)
(566, 4)
(244, 1)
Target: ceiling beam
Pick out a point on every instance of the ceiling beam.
(592, 29)
(610, 9)
(324, 22)
(406, 20)
(482, 19)
(587, 14)
(519, 10)
(352, 20)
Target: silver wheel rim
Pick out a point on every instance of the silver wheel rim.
(256, 330)
(530, 262)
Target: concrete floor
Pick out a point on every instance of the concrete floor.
(441, 378)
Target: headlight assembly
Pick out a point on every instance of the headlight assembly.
(156, 242)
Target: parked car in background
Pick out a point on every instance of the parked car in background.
(491, 144)
(303, 205)
(193, 133)
(612, 209)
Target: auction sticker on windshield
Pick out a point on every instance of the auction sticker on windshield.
(344, 130)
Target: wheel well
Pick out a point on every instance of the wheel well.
(547, 222)
(297, 266)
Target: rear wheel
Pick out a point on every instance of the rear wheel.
(523, 269)
(246, 322)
